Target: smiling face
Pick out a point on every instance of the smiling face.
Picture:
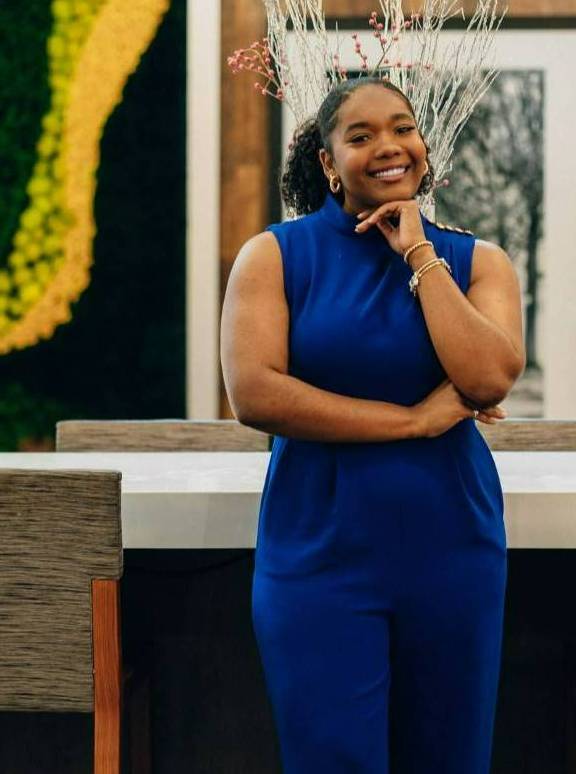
(375, 131)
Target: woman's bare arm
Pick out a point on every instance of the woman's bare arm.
(478, 336)
(254, 356)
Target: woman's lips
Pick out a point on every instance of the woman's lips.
(389, 178)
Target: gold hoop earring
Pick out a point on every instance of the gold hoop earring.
(338, 184)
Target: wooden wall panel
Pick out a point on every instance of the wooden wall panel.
(360, 8)
(244, 135)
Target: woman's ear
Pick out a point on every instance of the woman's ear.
(326, 161)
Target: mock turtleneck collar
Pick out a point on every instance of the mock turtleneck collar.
(337, 216)
(344, 222)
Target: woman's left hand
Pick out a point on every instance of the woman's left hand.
(409, 230)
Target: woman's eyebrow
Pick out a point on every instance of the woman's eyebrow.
(393, 117)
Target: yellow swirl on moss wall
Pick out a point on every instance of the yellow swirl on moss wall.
(94, 48)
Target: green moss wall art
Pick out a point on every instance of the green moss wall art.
(93, 47)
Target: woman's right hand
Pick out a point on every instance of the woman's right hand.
(444, 407)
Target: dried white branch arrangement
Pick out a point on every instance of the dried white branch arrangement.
(443, 83)
(303, 91)
(444, 88)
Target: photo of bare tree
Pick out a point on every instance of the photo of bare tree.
(496, 190)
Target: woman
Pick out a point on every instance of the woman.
(380, 564)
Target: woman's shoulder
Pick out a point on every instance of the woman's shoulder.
(456, 245)
(445, 227)
(293, 223)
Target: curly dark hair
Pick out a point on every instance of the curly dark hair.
(303, 184)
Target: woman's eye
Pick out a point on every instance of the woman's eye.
(402, 129)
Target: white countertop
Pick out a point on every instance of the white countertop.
(211, 499)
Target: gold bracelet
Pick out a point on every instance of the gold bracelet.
(430, 262)
(413, 247)
(415, 279)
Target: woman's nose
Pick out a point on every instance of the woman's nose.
(387, 146)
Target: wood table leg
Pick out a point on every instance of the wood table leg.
(107, 654)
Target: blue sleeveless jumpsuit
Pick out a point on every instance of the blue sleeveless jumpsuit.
(380, 567)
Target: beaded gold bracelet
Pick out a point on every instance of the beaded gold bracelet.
(413, 247)
(415, 278)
